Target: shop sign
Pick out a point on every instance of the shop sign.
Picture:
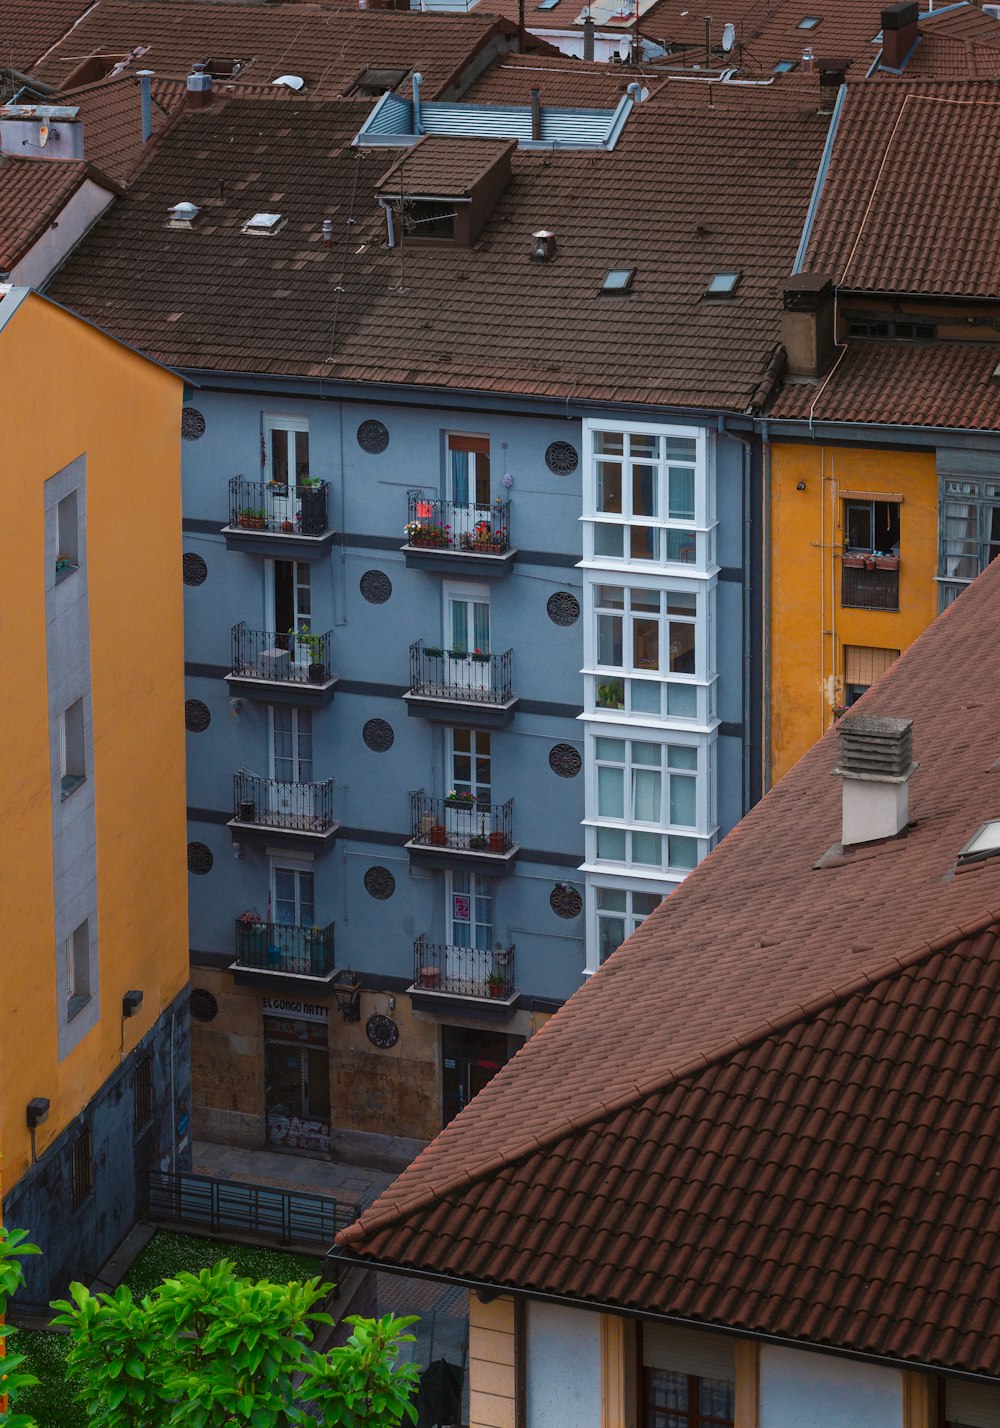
(288, 1006)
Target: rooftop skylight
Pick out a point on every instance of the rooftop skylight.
(723, 284)
(985, 843)
(809, 22)
(263, 223)
(784, 66)
(618, 280)
(547, 5)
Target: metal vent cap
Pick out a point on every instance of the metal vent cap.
(875, 747)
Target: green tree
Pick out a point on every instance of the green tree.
(13, 1247)
(210, 1350)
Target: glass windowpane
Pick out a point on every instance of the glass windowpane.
(682, 547)
(681, 497)
(645, 644)
(611, 899)
(610, 597)
(609, 640)
(609, 487)
(643, 443)
(682, 656)
(682, 701)
(646, 849)
(609, 540)
(644, 542)
(683, 800)
(645, 600)
(646, 796)
(679, 756)
(612, 750)
(645, 696)
(648, 754)
(683, 852)
(610, 792)
(611, 844)
(644, 491)
(611, 442)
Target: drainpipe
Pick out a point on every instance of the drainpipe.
(418, 127)
(536, 115)
(146, 97)
(390, 241)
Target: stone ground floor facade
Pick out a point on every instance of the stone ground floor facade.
(284, 1068)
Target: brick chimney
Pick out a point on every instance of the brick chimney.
(807, 324)
(875, 760)
(899, 33)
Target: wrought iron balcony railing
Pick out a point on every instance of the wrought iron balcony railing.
(449, 525)
(870, 582)
(462, 824)
(274, 803)
(280, 509)
(294, 658)
(277, 947)
(463, 971)
(467, 676)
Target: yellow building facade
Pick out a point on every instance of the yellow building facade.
(853, 560)
(94, 1062)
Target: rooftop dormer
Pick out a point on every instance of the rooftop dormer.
(444, 190)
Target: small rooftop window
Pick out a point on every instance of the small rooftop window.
(372, 82)
(809, 22)
(985, 844)
(182, 215)
(222, 68)
(723, 284)
(785, 66)
(618, 280)
(547, 5)
(263, 223)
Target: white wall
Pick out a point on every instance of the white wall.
(86, 205)
(804, 1390)
(564, 1367)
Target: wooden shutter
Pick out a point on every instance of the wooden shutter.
(479, 444)
(863, 665)
(688, 1351)
(971, 1404)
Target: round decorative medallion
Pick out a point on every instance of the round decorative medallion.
(379, 883)
(195, 570)
(373, 437)
(565, 761)
(561, 457)
(565, 901)
(200, 858)
(378, 735)
(196, 716)
(192, 424)
(204, 1007)
(563, 608)
(376, 587)
(382, 1031)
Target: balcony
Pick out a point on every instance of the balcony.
(288, 522)
(869, 582)
(459, 833)
(460, 686)
(282, 669)
(275, 950)
(446, 536)
(455, 977)
(270, 810)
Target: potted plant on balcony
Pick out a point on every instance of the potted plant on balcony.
(249, 931)
(462, 799)
(248, 810)
(429, 977)
(479, 842)
(278, 488)
(496, 984)
(251, 518)
(312, 498)
(498, 841)
(427, 533)
(433, 651)
(480, 656)
(458, 653)
(314, 645)
(888, 561)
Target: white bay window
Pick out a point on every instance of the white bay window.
(645, 800)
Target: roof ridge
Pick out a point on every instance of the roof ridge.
(370, 1221)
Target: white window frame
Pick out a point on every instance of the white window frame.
(469, 592)
(450, 758)
(449, 490)
(703, 525)
(278, 421)
(615, 883)
(485, 884)
(289, 864)
(296, 712)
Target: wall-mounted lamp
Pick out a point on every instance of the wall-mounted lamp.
(131, 1004)
(801, 486)
(36, 1112)
(235, 707)
(346, 988)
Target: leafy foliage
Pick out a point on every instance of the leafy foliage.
(212, 1350)
(13, 1248)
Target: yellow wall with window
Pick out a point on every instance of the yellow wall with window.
(70, 391)
(811, 631)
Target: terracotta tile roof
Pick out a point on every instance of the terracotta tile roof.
(909, 201)
(30, 27)
(959, 42)
(436, 165)
(775, 1108)
(32, 193)
(563, 81)
(934, 384)
(111, 113)
(329, 48)
(678, 198)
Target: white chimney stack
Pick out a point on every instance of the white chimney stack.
(875, 760)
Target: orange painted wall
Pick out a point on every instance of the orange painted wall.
(69, 390)
(808, 626)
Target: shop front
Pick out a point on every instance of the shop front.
(296, 1075)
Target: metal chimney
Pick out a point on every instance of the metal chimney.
(588, 34)
(199, 87)
(146, 98)
(536, 115)
(875, 760)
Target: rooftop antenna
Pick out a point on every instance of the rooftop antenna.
(708, 42)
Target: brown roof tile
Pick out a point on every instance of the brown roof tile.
(779, 1194)
(28, 28)
(111, 113)
(437, 165)
(664, 201)
(32, 193)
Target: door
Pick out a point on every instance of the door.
(291, 605)
(293, 896)
(284, 460)
(470, 1059)
(297, 1084)
(468, 482)
(291, 796)
(470, 761)
(469, 917)
(467, 639)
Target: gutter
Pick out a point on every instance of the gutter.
(490, 1291)
(821, 173)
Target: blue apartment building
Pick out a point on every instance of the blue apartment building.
(472, 536)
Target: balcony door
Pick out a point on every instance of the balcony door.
(468, 485)
(291, 797)
(284, 460)
(288, 601)
(469, 932)
(293, 901)
(466, 634)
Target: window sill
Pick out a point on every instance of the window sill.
(70, 784)
(75, 1006)
(65, 573)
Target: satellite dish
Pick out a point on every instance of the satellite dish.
(728, 38)
(43, 134)
(290, 81)
(624, 49)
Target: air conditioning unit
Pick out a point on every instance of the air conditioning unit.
(993, 10)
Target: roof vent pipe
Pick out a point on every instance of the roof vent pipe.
(588, 34)
(536, 115)
(543, 245)
(199, 87)
(635, 92)
(875, 760)
(327, 232)
(418, 127)
(146, 98)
